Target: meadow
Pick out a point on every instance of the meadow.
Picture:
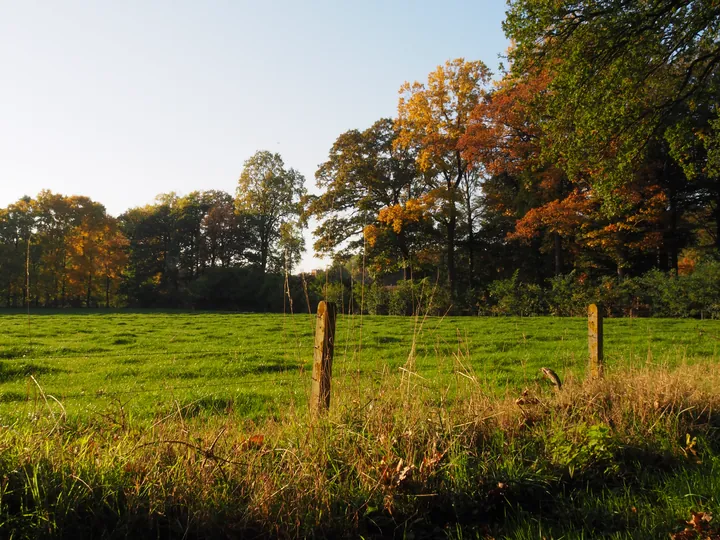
(254, 365)
(196, 425)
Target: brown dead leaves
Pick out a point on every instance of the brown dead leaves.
(698, 528)
(397, 475)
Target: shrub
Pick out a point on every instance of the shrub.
(513, 297)
(567, 296)
(377, 298)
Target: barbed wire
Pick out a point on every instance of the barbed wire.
(229, 352)
(100, 392)
(304, 378)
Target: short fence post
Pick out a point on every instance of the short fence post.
(595, 341)
(323, 357)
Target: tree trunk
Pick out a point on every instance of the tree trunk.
(672, 239)
(451, 226)
(107, 291)
(263, 256)
(407, 265)
(717, 215)
(557, 239)
(471, 238)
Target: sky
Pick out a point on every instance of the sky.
(122, 101)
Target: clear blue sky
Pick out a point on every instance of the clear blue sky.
(121, 101)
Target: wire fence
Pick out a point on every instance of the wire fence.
(27, 354)
(283, 368)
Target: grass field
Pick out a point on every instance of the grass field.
(195, 425)
(256, 365)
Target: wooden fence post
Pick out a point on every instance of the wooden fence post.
(323, 357)
(595, 341)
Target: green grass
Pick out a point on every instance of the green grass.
(196, 425)
(256, 365)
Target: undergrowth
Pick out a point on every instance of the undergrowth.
(630, 456)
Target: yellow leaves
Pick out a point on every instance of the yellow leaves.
(371, 233)
(399, 216)
(97, 251)
(433, 118)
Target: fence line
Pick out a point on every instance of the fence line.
(99, 393)
(303, 377)
(154, 354)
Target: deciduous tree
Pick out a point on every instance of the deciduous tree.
(432, 118)
(270, 197)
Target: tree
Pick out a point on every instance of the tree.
(504, 137)
(17, 227)
(624, 72)
(270, 197)
(432, 118)
(367, 181)
(223, 234)
(98, 258)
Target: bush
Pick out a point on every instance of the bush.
(656, 293)
(567, 296)
(703, 289)
(513, 297)
(422, 297)
(336, 292)
(377, 298)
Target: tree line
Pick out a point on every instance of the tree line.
(594, 154)
(592, 158)
(58, 251)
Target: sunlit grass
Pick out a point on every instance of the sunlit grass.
(627, 457)
(255, 366)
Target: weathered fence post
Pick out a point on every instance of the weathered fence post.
(322, 361)
(595, 341)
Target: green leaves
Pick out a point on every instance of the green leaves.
(270, 196)
(622, 71)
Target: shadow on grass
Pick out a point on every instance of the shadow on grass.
(12, 397)
(13, 371)
(250, 405)
(239, 370)
(13, 352)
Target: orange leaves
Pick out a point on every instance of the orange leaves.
(254, 442)
(504, 128)
(561, 216)
(688, 260)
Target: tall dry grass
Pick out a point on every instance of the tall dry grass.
(402, 458)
